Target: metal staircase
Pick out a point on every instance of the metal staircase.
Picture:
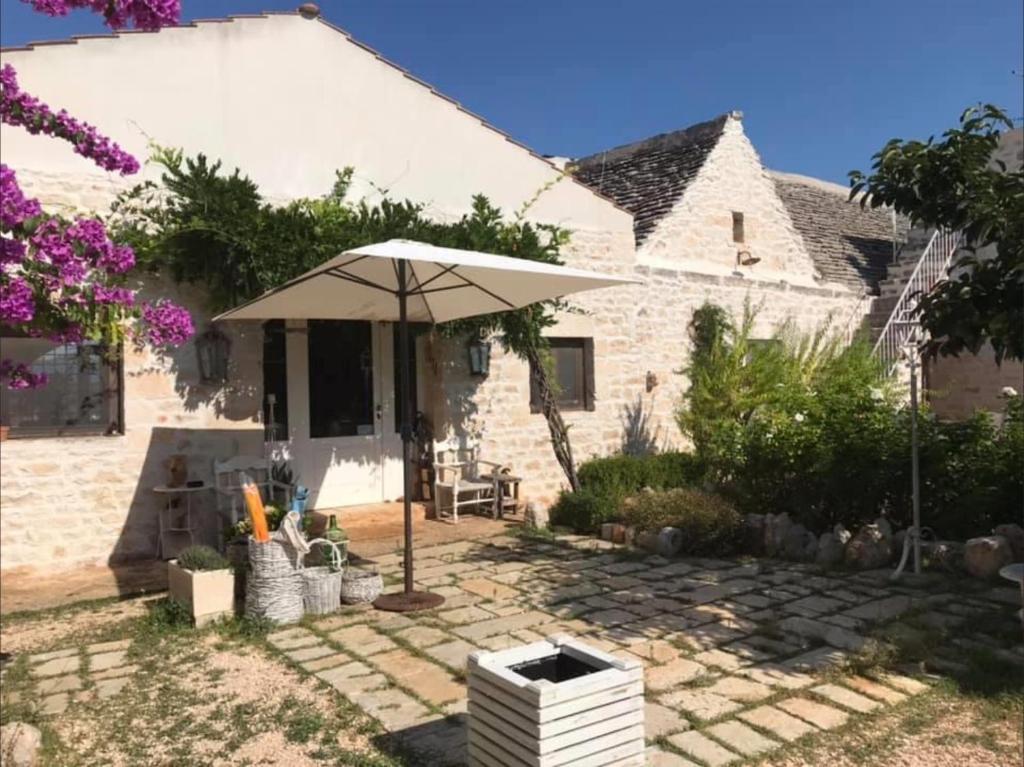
(901, 326)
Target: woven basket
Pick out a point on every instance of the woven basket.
(276, 599)
(321, 591)
(273, 559)
(360, 586)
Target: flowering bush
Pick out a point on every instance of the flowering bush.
(60, 279)
(141, 14)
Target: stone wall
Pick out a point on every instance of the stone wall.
(958, 386)
(77, 501)
(697, 235)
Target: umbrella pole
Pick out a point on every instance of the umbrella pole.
(409, 599)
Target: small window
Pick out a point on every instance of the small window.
(573, 375)
(82, 395)
(275, 380)
(738, 231)
(340, 378)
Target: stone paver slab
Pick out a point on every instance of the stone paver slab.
(846, 698)
(488, 589)
(741, 738)
(310, 653)
(423, 636)
(656, 757)
(883, 609)
(54, 704)
(392, 707)
(362, 640)
(672, 674)
(57, 666)
(502, 625)
(779, 723)
(347, 671)
(776, 675)
(325, 662)
(813, 606)
(108, 688)
(292, 638)
(904, 683)
(700, 703)
(104, 660)
(818, 714)
(469, 614)
(703, 748)
(661, 720)
(428, 680)
(120, 644)
(739, 689)
(112, 673)
(68, 683)
(53, 655)
(874, 690)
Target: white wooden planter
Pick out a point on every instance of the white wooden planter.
(555, 703)
(209, 595)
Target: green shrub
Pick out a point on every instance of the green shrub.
(584, 511)
(810, 427)
(709, 523)
(622, 475)
(200, 558)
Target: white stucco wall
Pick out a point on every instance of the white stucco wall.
(288, 100)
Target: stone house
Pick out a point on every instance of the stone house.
(289, 99)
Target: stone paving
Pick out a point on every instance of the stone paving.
(60, 677)
(740, 658)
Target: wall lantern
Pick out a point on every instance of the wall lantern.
(213, 349)
(479, 357)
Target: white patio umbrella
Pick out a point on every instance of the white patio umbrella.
(404, 281)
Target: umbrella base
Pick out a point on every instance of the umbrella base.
(407, 602)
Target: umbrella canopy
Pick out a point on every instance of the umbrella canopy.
(402, 281)
(443, 284)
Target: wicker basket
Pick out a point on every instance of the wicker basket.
(273, 559)
(360, 586)
(274, 586)
(276, 599)
(322, 585)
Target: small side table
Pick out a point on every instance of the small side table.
(506, 492)
(170, 515)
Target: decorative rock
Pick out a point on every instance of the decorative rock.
(1015, 535)
(830, 550)
(647, 541)
(985, 556)
(885, 527)
(799, 544)
(753, 534)
(670, 541)
(869, 549)
(776, 527)
(945, 555)
(630, 536)
(19, 744)
(536, 517)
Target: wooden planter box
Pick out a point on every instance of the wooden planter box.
(209, 595)
(556, 703)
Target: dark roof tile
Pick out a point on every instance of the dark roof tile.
(848, 244)
(648, 177)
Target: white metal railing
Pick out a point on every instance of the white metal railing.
(902, 326)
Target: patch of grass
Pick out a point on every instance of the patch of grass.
(300, 723)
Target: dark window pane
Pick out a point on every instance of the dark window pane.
(415, 330)
(82, 393)
(568, 374)
(340, 378)
(275, 380)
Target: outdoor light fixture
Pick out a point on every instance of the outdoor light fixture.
(213, 349)
(479, 357)
(746, 258)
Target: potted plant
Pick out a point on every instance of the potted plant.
(202, 580)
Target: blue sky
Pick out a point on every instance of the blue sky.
(822, 83)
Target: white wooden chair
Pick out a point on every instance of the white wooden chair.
(228, 483)
(457, 480)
